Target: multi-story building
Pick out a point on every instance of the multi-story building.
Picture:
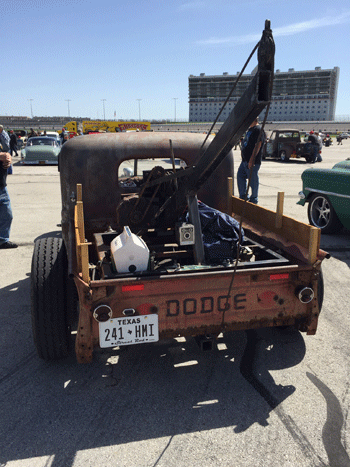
(297, 95)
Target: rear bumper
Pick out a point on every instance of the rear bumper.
(204, 303)
(26, 162)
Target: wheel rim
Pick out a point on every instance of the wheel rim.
(283, 156)
(320, 212)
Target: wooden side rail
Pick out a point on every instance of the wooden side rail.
(82, 247)
(300, 239)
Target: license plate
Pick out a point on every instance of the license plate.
(42, 162)
(129, 330)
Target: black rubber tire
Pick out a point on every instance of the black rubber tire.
(49, 299)
(283, 156)
(321, 214)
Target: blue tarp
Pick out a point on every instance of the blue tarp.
(220, 234)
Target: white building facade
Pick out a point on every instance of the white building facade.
(297, 95)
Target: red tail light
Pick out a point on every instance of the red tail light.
(278, 277)
(132, 288)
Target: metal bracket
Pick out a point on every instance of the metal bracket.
(193, 212)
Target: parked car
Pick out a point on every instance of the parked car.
(41, 150)
(327, 192)
(286, 144)
(53, 134)
(24, 140)
(19, 142)
(345, 135)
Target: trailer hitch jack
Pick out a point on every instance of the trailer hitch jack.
(206, 342)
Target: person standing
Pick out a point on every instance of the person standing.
(32, 133)
(63, 136)
(314, 146)
(5, 204)
(4, 139)
(251, 153)
(320, 144)
(13, 143)
(327, 141)
(5, 145)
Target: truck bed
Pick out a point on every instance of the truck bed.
(263, 289)
(255, 255)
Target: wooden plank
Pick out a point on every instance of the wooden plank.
(279, 209)
(77, 238)
(314, 244)
(80, 216)
(292, 229)
(263, 222)
(82, 247)
(79, 192)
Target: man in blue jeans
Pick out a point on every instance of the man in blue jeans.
(5, 205)
(315, 150)
(251, 153)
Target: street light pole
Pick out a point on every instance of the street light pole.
(31, 108)
(68, 100)
(175, 99)
(104, 113)
(139, 109)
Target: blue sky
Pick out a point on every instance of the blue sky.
(121, 51)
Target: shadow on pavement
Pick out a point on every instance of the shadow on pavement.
(130, 394)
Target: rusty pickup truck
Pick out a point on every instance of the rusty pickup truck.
(131, 266)
(286, 144)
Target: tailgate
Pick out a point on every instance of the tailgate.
(201, 303)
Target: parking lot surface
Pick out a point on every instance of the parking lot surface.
(264, 398)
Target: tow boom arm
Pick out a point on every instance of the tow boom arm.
(183, 191)
(255, 98)
(249, 106)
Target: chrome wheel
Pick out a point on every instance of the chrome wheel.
(322, 215)
(283, 156)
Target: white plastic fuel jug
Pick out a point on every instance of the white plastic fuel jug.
(129, 252)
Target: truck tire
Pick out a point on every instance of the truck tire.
(321, 214)
(284, 156)
(49, 303)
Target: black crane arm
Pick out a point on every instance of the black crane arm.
(252, 102)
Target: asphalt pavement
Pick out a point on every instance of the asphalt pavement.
(262, 398)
